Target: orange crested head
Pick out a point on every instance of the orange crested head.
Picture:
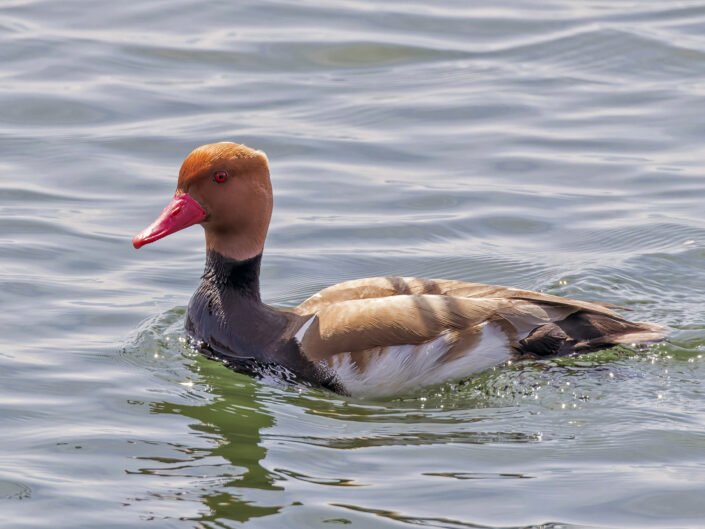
(225, 187)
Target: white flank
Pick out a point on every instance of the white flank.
(403, 369)
(300, 334)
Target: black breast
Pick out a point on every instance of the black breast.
(227, 320)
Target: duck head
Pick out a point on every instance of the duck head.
(224, 187)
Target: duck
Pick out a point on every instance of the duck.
(371, 337)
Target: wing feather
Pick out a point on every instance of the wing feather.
(361, 324)
(377, 313)
(384, 287)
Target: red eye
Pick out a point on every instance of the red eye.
(220, 176)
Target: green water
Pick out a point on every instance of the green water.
(553, 146)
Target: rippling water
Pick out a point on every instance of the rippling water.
(555, 146)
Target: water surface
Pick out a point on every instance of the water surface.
(554, 146)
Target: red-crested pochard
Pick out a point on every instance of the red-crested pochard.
(368, 337)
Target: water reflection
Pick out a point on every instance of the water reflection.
(262, 439)
(225, 460)
(449, 523)
(233, 421)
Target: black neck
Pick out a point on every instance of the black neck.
(227, 273)
(227, 316)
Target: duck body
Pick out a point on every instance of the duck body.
(385, 336)
(372, 337)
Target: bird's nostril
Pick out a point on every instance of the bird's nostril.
(176, 211)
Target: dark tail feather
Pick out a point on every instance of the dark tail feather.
(588, 331)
